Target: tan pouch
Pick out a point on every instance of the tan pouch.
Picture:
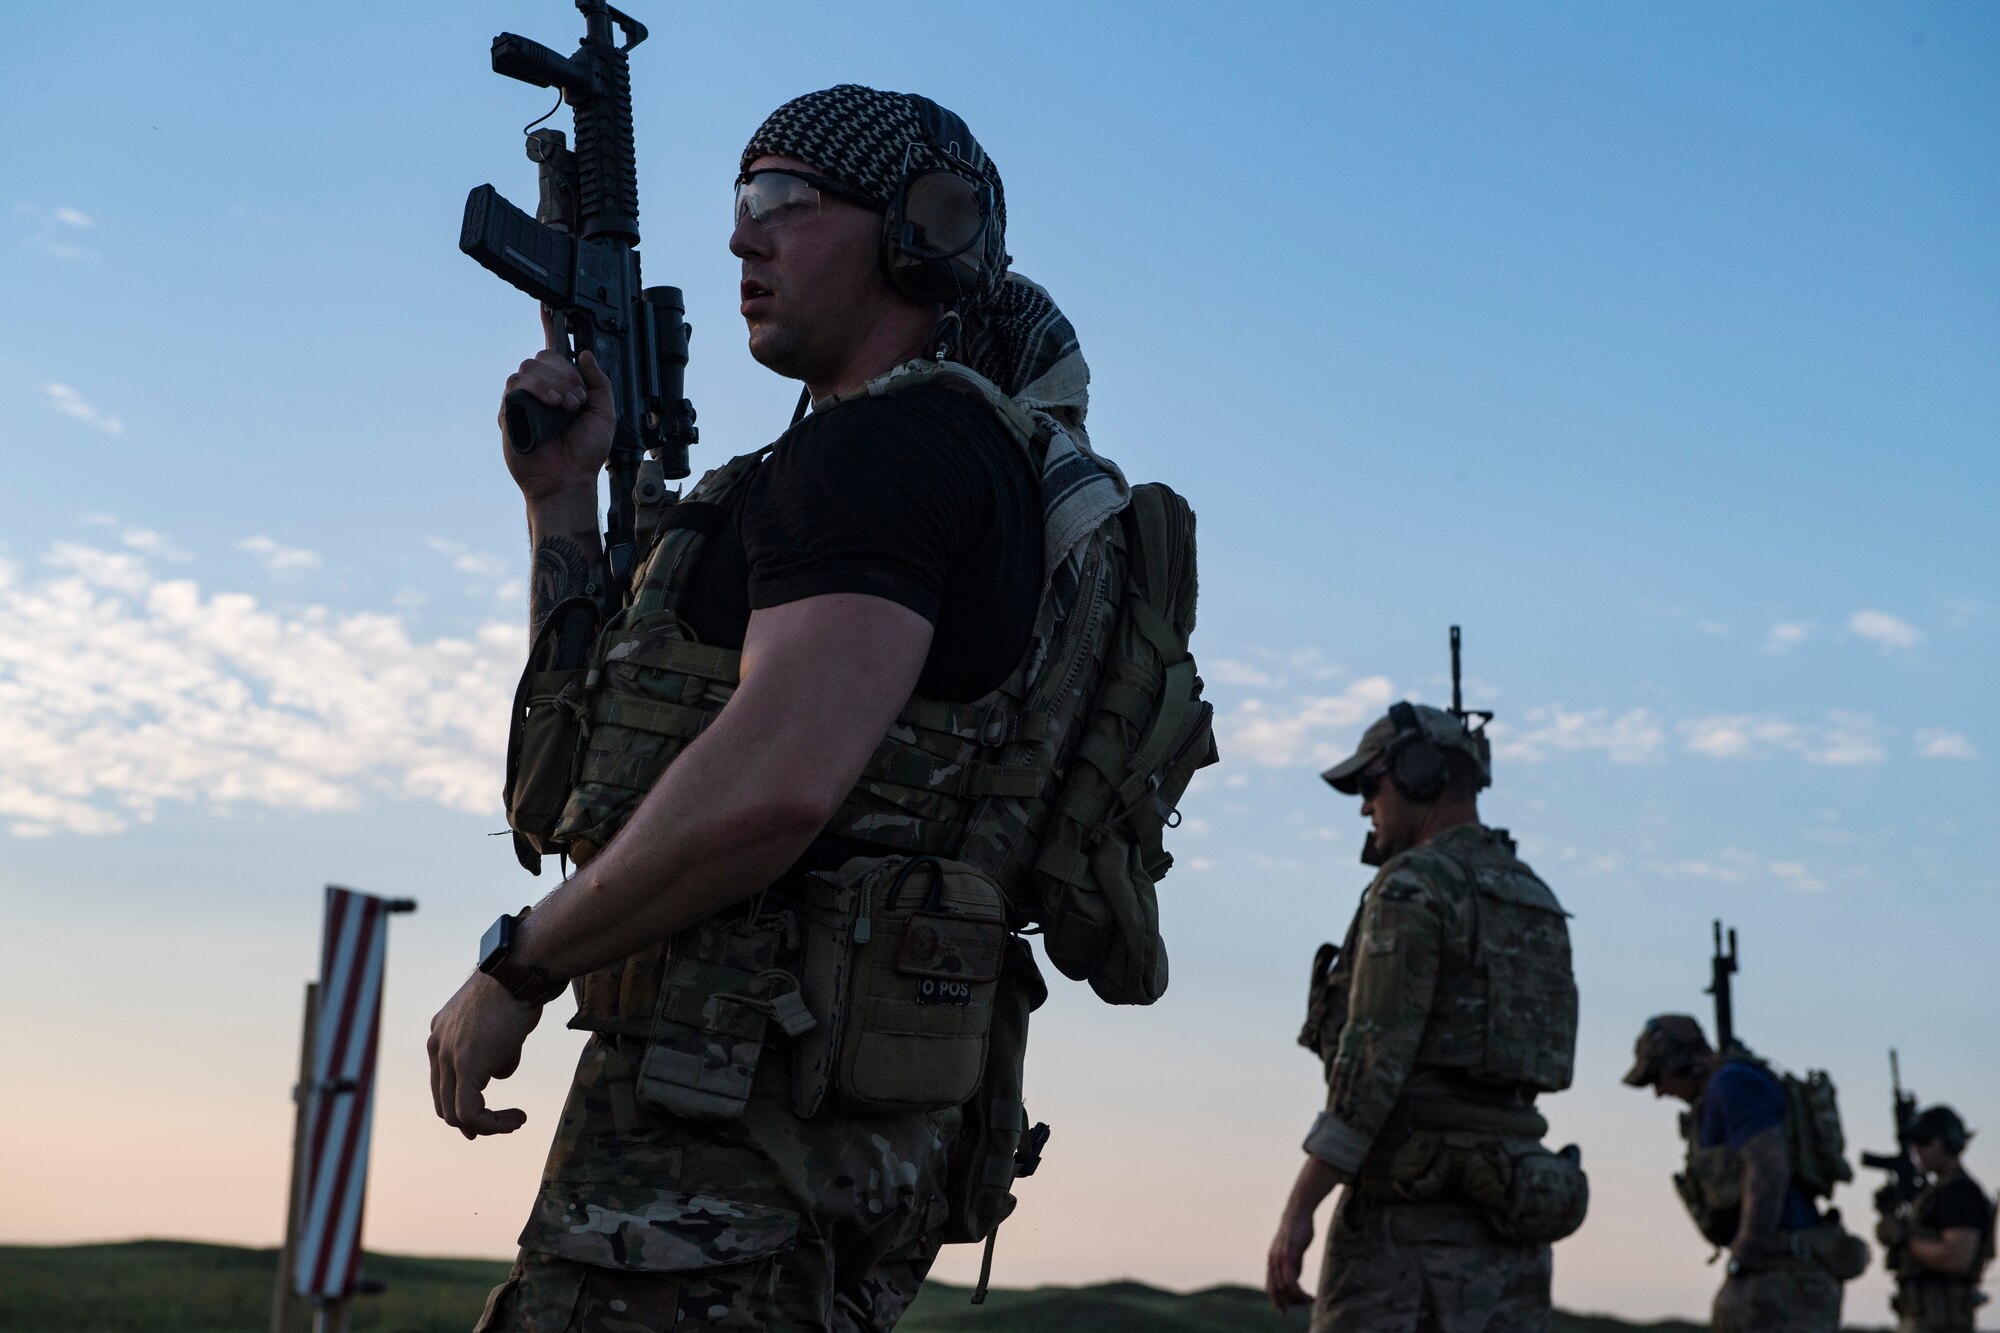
(902, 959)
(545, 728)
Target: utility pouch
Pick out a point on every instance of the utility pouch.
(545, 728)
(1712, 1189)
(1547, 1193)
(719, 994)
(989, 1153)
(903, 957)
(1839, 1251)
(1529, 1195)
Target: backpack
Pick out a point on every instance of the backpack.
(1145, 733)
(1813, 1134)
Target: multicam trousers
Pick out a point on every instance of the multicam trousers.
(648, 1222)
(1427, 1268)
(1785, 1296)
(1936, 1305)
(544, 1294)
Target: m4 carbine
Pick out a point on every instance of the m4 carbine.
(579, 256)
(1905, 1179)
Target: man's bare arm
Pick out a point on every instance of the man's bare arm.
(1951, 1251)
(822, 679)
(568, 555)
(1286, 1258)
(1767, 1171)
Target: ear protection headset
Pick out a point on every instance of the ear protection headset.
(941, 238)
(1416, 762)
(1942, 1123)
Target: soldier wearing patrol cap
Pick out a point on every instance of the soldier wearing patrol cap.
(1760, 1148)
(1448, 1010)
(1941, 1240)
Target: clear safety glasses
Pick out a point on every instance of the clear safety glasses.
(775, 196)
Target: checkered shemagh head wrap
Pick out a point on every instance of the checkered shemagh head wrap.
(861, 138)
(1016, 337)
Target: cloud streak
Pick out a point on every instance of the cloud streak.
(70, 403)
(123, 692)
(279, 558)
(55, 229)
(1884, 630)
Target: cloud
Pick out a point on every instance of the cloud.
(1794, 875)
(1841, 738)
(1784, 636)
(278, 558)
(1226, 672)
(1732, 865)
(70, 403)
(123, 692)
(1713, 628)
(1962, 611)
(1879, 627)
(55, 228)
(155, 544)
(1936, 743)
(1317, 729)
(481, 565)
(1628, 738)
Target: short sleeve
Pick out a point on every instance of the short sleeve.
(870, 499)
(1741, 1103)
(1963, 1204)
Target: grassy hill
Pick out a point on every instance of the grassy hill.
(164, 1286)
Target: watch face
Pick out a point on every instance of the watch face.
(493, 945)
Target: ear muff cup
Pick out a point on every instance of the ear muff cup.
(1416, 762)
(941, 240)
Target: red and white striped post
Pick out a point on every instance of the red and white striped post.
(322, 1256)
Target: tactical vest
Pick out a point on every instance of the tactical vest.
(1942, 1301)
(967, 781)
(1711, 1182)
(1504, 1010)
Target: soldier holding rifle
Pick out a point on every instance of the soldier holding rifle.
(1761, 1147)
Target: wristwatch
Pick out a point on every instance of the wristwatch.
(529, 984)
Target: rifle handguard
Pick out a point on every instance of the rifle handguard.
(532, 422)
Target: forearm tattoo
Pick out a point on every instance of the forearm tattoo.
(565, 566)
(1767, 1171)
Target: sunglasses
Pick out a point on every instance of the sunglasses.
(1369, 781)
(779, 196)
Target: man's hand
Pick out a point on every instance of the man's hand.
(475, 1039)
(568, 463)
(1287, 1260)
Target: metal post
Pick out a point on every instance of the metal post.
(288, 1254)
(331, 1316)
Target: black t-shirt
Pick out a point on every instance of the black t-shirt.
(1959, 1202)
(919, 496)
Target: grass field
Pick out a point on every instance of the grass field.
(164, 1286)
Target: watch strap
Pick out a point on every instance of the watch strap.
(523, 981)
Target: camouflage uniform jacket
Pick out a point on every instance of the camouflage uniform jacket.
(1451, 997)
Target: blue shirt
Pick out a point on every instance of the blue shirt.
(1742, 1101)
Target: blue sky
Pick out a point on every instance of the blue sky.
(1657, 348)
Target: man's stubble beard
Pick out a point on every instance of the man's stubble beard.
(780, 351)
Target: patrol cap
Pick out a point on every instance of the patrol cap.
(1940, 1124)
(1667, 1041)
(1447, 731)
